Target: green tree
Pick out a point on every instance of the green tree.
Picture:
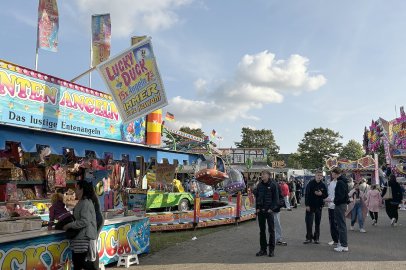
(294, 161)
(353, 150)
(317, 145)
(259, 139)
(198, 132)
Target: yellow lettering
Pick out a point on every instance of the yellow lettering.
(57, 250)
(10, 257)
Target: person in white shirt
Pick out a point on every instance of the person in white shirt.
(330, 201)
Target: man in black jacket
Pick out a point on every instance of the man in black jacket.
(266, 195)
(316, 192)
(341, 200)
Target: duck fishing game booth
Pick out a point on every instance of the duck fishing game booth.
(54, 133)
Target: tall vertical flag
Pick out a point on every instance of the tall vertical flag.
(48, 25)
(101, 38)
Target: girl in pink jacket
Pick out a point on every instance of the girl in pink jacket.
(374, 202)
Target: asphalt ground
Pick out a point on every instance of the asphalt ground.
(381, 247)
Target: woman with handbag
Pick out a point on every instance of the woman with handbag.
(392, 194)
(85, 225)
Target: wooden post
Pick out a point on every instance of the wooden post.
(196, 211)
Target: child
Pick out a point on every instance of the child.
(374, 202)
(58, 212)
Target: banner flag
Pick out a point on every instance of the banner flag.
(48, 25)
(134, 81)
(213, 134)
(101, 38)
(170, 117)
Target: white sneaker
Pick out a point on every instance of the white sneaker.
(331, 243)
(393, 221)
(341, 249)
(351, 228)
(373, 222)
(362, 230)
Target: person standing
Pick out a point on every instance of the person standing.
(392, 203)
(298, 191)
(357, 208)
(85, 222)
(266, 195)
(292, 190)
(331, 206)
(316, 192)
(374, 202)
(341, 200)
(285, 193)
(276, 217)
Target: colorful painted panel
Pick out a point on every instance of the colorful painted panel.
(123, 238)
(51, 251)
(32, 99)
(41, 253)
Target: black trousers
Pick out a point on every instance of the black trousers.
(78, 260)
(373, 215)
(313, 215)
(333, 225)
(392, 210)
(263, 218)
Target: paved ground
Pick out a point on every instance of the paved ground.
(382, 247)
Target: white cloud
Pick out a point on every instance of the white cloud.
(259, 80)
(291, 74)
(129, 17)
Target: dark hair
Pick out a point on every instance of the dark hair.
(392, 177)
(88, 190)
(336, 170)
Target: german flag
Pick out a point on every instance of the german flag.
(169, 117)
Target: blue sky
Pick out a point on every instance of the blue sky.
(289, 66)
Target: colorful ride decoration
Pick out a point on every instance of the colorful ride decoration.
(363, 163)
(393, 136)
(212, 171)
(211, 176)
(154, 126)
(235, 182)
(374, 136)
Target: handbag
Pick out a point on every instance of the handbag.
(388, 194)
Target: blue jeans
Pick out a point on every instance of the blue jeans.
(278, 227)
(357, 212)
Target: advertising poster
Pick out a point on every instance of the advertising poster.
(165, 173)
(33, 99)
(137, 201)
(101, 38)
(134, 81)
(48, 24)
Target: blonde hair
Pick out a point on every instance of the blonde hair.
(56, 197)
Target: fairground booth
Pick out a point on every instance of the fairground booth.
(54, 133)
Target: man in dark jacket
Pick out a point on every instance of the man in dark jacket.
(341, 200)
(266, 195)
(316, 192)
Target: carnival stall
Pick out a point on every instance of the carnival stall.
(54, 133)
(365, 167)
